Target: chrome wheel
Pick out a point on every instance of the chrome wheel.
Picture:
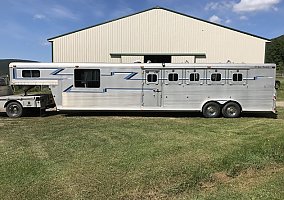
(231, 110)
(211, 110)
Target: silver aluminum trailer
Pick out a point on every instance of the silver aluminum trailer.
(213, 89)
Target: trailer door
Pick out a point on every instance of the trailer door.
(152, 88)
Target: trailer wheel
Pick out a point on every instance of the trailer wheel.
(231, 110)
(14, 109)
(211, 110)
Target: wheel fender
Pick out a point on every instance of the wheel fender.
(234, 102)
(12, 101)
(222, 102)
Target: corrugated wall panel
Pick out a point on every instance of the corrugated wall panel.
(131, 59)
(182, 59)
(158, 31)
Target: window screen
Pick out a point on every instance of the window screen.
(87, 78)
(173, 77)
(216, 77)
(237, 77)
(194, 77)
(152, 78)
(30, 73)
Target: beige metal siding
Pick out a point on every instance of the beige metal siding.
(158, 31)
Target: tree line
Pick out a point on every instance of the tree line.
(275, 53)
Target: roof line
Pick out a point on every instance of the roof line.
(158, 7)
(106, 22)
(163, 54)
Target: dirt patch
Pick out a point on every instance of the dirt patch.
(251, 177)
(280, 103)
(221, 177)
(246, 180)
(216, 179)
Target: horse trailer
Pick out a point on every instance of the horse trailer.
(213, 89)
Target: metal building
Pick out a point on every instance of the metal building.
(158, 35)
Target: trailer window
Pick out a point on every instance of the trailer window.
(173, 77)
(152, 78)
(237, 77)
(87, 78)
(30, 73)
(216, 77)
(194, 77)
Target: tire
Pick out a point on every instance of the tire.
(14, 109)
(231, 110)
(211, 110)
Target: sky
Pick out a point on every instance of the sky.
(25, 25)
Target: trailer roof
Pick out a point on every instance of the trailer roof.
(141, 65)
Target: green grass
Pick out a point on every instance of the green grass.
(280, 92)
(115, 157)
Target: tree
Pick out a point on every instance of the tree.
(275, 53)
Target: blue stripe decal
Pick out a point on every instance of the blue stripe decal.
(257, 77)
(129, 76)
(128, 89)
(69, 89)
(57, 71)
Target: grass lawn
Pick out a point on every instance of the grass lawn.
(280, 92)
(116, 157)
